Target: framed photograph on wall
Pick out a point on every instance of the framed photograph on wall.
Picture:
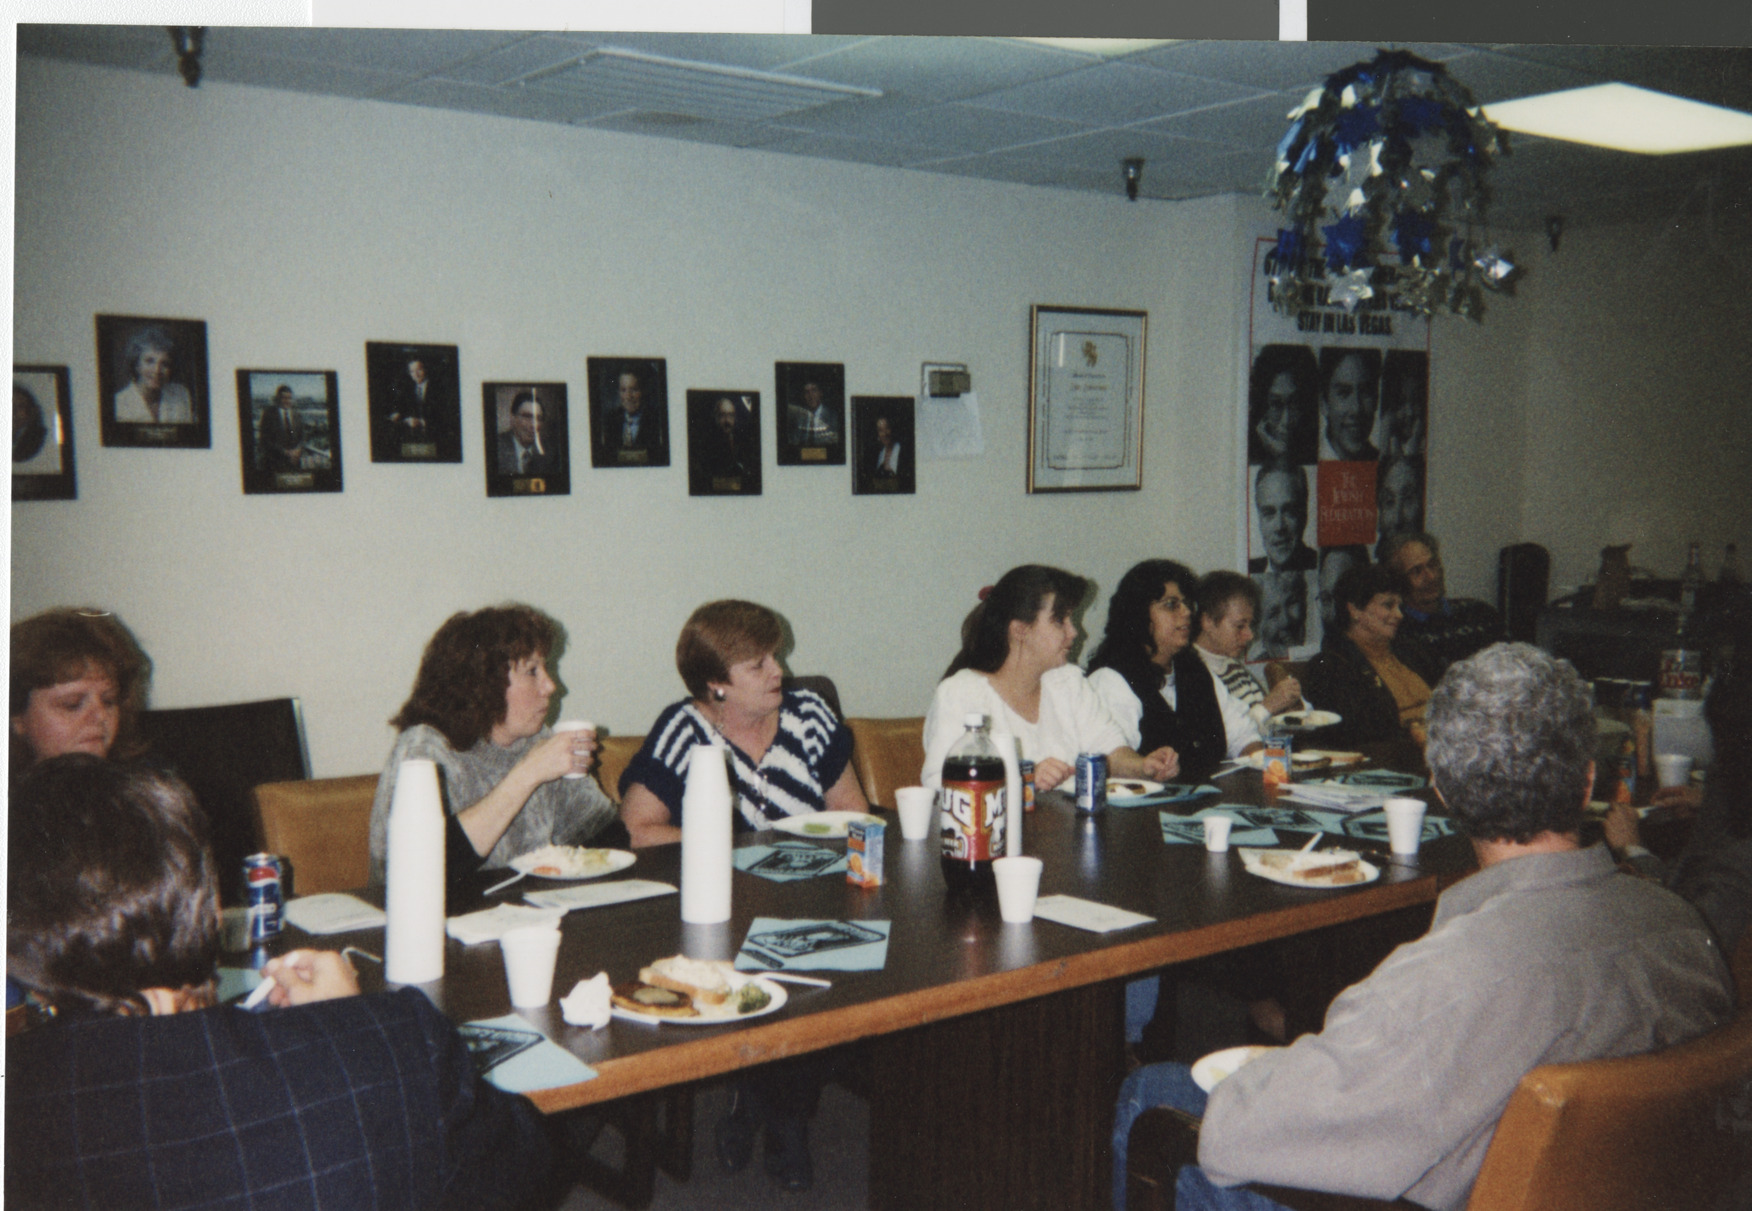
(42, 434)
(414, 401)
(152, 382)
(810, 413)
(527, 439)
(723, 442)
(882, 445)
(289, 430)
(1085, 399)
(629, 411)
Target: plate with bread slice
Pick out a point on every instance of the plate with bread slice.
(695, 992)
(1309, 868)
(571, 862)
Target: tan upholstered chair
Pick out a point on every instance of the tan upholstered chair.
(1643, 1133)
(887, 753)
(613, 755)
(324, 826)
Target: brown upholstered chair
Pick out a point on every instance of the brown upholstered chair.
(323, 825)
(1644, 1133)
(887, 753)
(613, 755)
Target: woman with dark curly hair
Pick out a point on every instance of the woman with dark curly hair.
(479, 711)
(78, 683)
(1152, 680)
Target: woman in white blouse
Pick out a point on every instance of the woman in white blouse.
(1012, 667)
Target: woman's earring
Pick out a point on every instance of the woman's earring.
(717, 695)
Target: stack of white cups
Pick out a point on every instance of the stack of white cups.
(706, 827)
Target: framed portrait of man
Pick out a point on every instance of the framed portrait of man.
(811, 413)
(526, 439)
(415, 402)
(42, 434)
(723, 442)
(152, 382)
(629, 411)
(289, 429)
(882, 445)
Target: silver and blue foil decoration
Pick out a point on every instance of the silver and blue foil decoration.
(1383, 177)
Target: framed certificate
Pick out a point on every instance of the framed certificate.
(1085, 400)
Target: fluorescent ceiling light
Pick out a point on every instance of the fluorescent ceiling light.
(1625, 118)
(1107, 48)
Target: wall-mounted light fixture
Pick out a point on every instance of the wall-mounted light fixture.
(187, 40)
(1134, 173)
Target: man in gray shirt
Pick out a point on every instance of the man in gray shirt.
(1546, 955)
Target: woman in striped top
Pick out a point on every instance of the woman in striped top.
(787, 753)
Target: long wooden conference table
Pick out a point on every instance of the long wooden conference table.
(995, 1050)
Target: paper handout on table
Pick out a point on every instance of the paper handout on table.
(595, 895)
(1326, 794)
(1087, 914)
(490, 924)
(784, 861)
(332, 912)
(513, 1055)
(1189, 830)
(807, 945)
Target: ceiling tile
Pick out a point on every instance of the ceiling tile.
(765, 52)
(1258, 123)
(510, 102)
(407, 52)
(837, 147)
(943, 69)
(665, 126)
(933, 128)
(300, 75)
(514, 60)
(1114, 94)
(139, 47)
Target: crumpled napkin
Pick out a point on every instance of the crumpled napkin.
(588, 1004)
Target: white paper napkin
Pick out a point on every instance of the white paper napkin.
(1087, 914)
(588, 1003)
(332, 912)
(490, 924)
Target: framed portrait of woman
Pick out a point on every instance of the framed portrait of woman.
(152, 382)
(42, 434)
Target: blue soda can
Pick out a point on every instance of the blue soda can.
(1091, 784)
(262, 880)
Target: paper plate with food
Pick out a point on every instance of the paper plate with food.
(1304, 721)
(1119, 790)
(695, 992)
(823, 825)
(1218, 1066)
(571, 862)
(1309, 868)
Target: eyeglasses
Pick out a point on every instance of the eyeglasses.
(1175, 604)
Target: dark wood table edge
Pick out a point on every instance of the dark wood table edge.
(784, 1035)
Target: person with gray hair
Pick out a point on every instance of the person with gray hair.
(150, 398)
(1547, 955)
(1451, 628)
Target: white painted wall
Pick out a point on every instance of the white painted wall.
(1606, 403)
(300, 227)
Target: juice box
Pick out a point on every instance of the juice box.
(864, 852)
(1277, 760)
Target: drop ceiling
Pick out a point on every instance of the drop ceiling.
(1204, 116)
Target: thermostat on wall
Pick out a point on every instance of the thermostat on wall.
(945, 379)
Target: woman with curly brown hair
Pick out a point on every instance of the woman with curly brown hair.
(78, 683)
(479, 711)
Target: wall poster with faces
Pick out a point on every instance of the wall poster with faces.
(1337, 415)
